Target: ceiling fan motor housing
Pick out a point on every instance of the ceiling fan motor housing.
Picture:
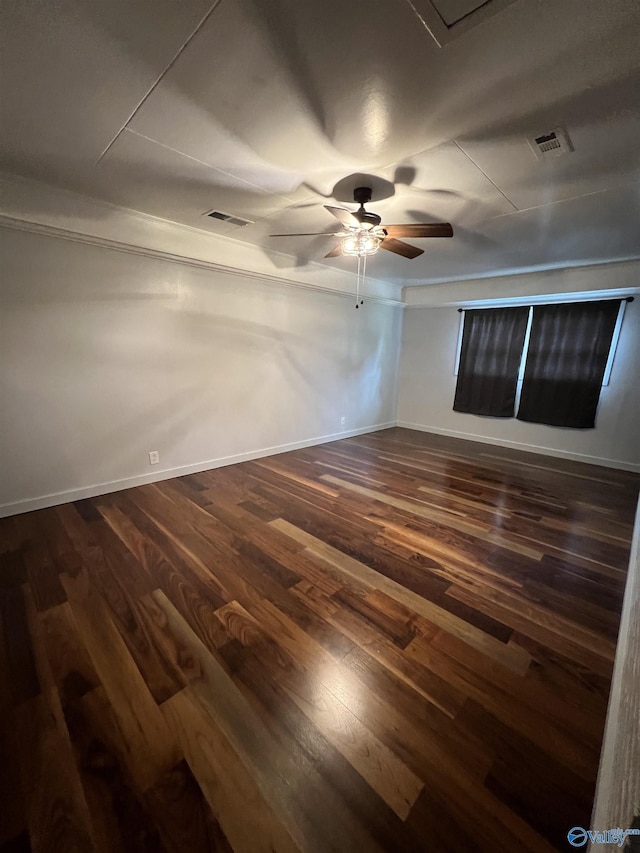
(367, 220)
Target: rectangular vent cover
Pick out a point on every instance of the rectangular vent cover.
(552, 144)
(227, 217)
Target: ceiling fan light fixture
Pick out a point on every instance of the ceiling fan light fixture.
(361, 243)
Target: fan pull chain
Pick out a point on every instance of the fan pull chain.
(360, 277)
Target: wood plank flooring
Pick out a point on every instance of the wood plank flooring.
(395, 642)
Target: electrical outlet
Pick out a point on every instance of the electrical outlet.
(343, 421)
(154, 457)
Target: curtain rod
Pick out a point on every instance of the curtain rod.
(623, 299)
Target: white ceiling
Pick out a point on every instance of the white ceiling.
(259, 108)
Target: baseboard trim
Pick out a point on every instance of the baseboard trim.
(92, 491)
(30, 504)
(530, 448)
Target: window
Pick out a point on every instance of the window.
(490, 356)
(568, 351)
(566, 360)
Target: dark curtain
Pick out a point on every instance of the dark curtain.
(492, 341)
(566, 359)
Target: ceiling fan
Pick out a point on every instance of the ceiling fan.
(363, 233)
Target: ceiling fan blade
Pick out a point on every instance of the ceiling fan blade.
(335, 252)
(308, 234)
(400, 248)
(344, 216)
(415, 230)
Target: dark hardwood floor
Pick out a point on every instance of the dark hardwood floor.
(396, 642)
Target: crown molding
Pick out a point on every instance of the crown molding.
(32, 205)
(170, 257)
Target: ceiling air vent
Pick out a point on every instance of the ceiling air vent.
(227, 217)
(555, 143)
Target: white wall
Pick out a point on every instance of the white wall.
(106, 355)
(602, 280)
(427, 385)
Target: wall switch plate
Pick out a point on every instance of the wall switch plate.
(154, 457)
(343, 421)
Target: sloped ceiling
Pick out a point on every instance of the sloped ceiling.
(266, 109)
